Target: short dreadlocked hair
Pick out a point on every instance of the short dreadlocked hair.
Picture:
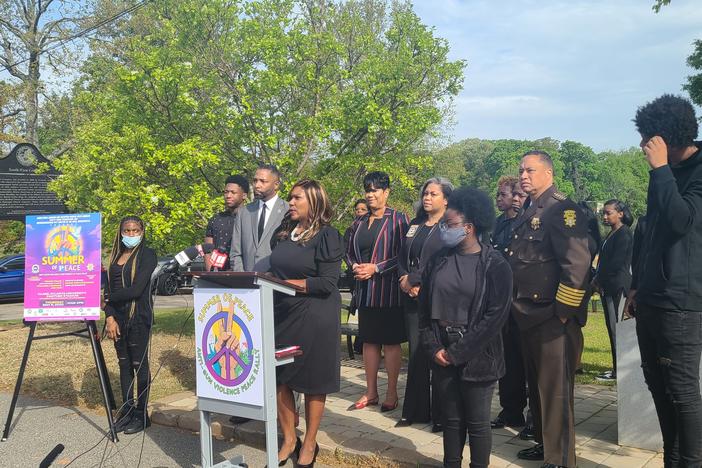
(670, 117)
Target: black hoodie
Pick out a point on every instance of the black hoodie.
(669, 272)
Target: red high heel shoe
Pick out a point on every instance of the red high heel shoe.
(360, 404)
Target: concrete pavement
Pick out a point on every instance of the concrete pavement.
(40, 425)
(369, 433)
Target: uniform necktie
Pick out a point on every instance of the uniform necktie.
(261, 221)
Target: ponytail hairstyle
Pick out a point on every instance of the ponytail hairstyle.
(621, 207)
(118, 248)
(320, 212)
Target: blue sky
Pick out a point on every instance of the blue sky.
(571, 70)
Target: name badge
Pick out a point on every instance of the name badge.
(412, 230)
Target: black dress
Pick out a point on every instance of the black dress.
(311, 320)
(376, 325)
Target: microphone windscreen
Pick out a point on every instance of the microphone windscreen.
(187, 256)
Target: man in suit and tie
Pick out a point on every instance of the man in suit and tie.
(251, 237)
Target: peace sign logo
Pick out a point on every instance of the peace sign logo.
(227, 346)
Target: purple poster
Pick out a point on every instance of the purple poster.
(62, 267)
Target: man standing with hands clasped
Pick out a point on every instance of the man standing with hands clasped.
(251, 237)
(666, 290)
(551, 262)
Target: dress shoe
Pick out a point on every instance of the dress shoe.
(501, 421)
(528, 433)
(137, 424)
(362, 403)
(295, 451)
(314, 459)
(122, 421)
(403, 422)
(532, 453)
(436, 427)
(551, 465)
(384, 408)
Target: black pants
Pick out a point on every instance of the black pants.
(552, 352)
(133, 355)
(610, 304)
(465, 408)
(671, 344)
(513, 389)
(421, 403)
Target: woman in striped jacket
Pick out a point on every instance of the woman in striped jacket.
(372, 253)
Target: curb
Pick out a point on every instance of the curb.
(355, 450)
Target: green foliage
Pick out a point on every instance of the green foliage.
(580, 173)
(694, 82)
(189, 91)
(658, 4)
(11, 237)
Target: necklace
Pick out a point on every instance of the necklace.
(295, 237)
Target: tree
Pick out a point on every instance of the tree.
(580, 168)
(658, 4)
(694, 82)
(186, 92)
(33, 33)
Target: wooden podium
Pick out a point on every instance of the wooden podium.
(235, 353)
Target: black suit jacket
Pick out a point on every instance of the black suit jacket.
(614, 270)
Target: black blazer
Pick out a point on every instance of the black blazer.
(118, 303)
(614, 270)
(432, 244)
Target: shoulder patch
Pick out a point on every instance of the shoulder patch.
(560, 196)
(569, 218)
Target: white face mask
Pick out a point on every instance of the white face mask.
(131, 241)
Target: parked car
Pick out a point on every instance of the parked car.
(12, 276)
(168, 284)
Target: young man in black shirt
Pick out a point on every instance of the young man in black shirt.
(221, 225)
(666, 290)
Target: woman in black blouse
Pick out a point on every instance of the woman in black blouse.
(128, 318)
(307, 251)
(463, 303)
(421, 243)
(613, 276)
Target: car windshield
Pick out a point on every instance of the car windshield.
(6, 258)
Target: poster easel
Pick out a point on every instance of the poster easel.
(90, 333)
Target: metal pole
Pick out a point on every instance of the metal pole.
(18, 384)
(104, 385)
(269, 386)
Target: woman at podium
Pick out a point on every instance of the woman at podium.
(128, 319)
(307, 251)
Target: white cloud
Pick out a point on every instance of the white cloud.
(580, 67)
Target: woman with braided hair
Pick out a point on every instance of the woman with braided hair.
(128, 319)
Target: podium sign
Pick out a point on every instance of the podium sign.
(235, 354)
(228, 345)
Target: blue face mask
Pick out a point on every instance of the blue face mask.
(451, 237)
(131, 241)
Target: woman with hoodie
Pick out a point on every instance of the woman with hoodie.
(464, 301)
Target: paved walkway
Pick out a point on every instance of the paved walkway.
(371, 434)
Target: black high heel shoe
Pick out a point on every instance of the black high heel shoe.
(296, 452)
(314, 459)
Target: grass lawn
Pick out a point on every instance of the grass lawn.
(63, 369)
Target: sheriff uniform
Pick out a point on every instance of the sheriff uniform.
(551, 261)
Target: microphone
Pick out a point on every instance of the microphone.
(186, 256)
(218, 257)
(49, 459)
